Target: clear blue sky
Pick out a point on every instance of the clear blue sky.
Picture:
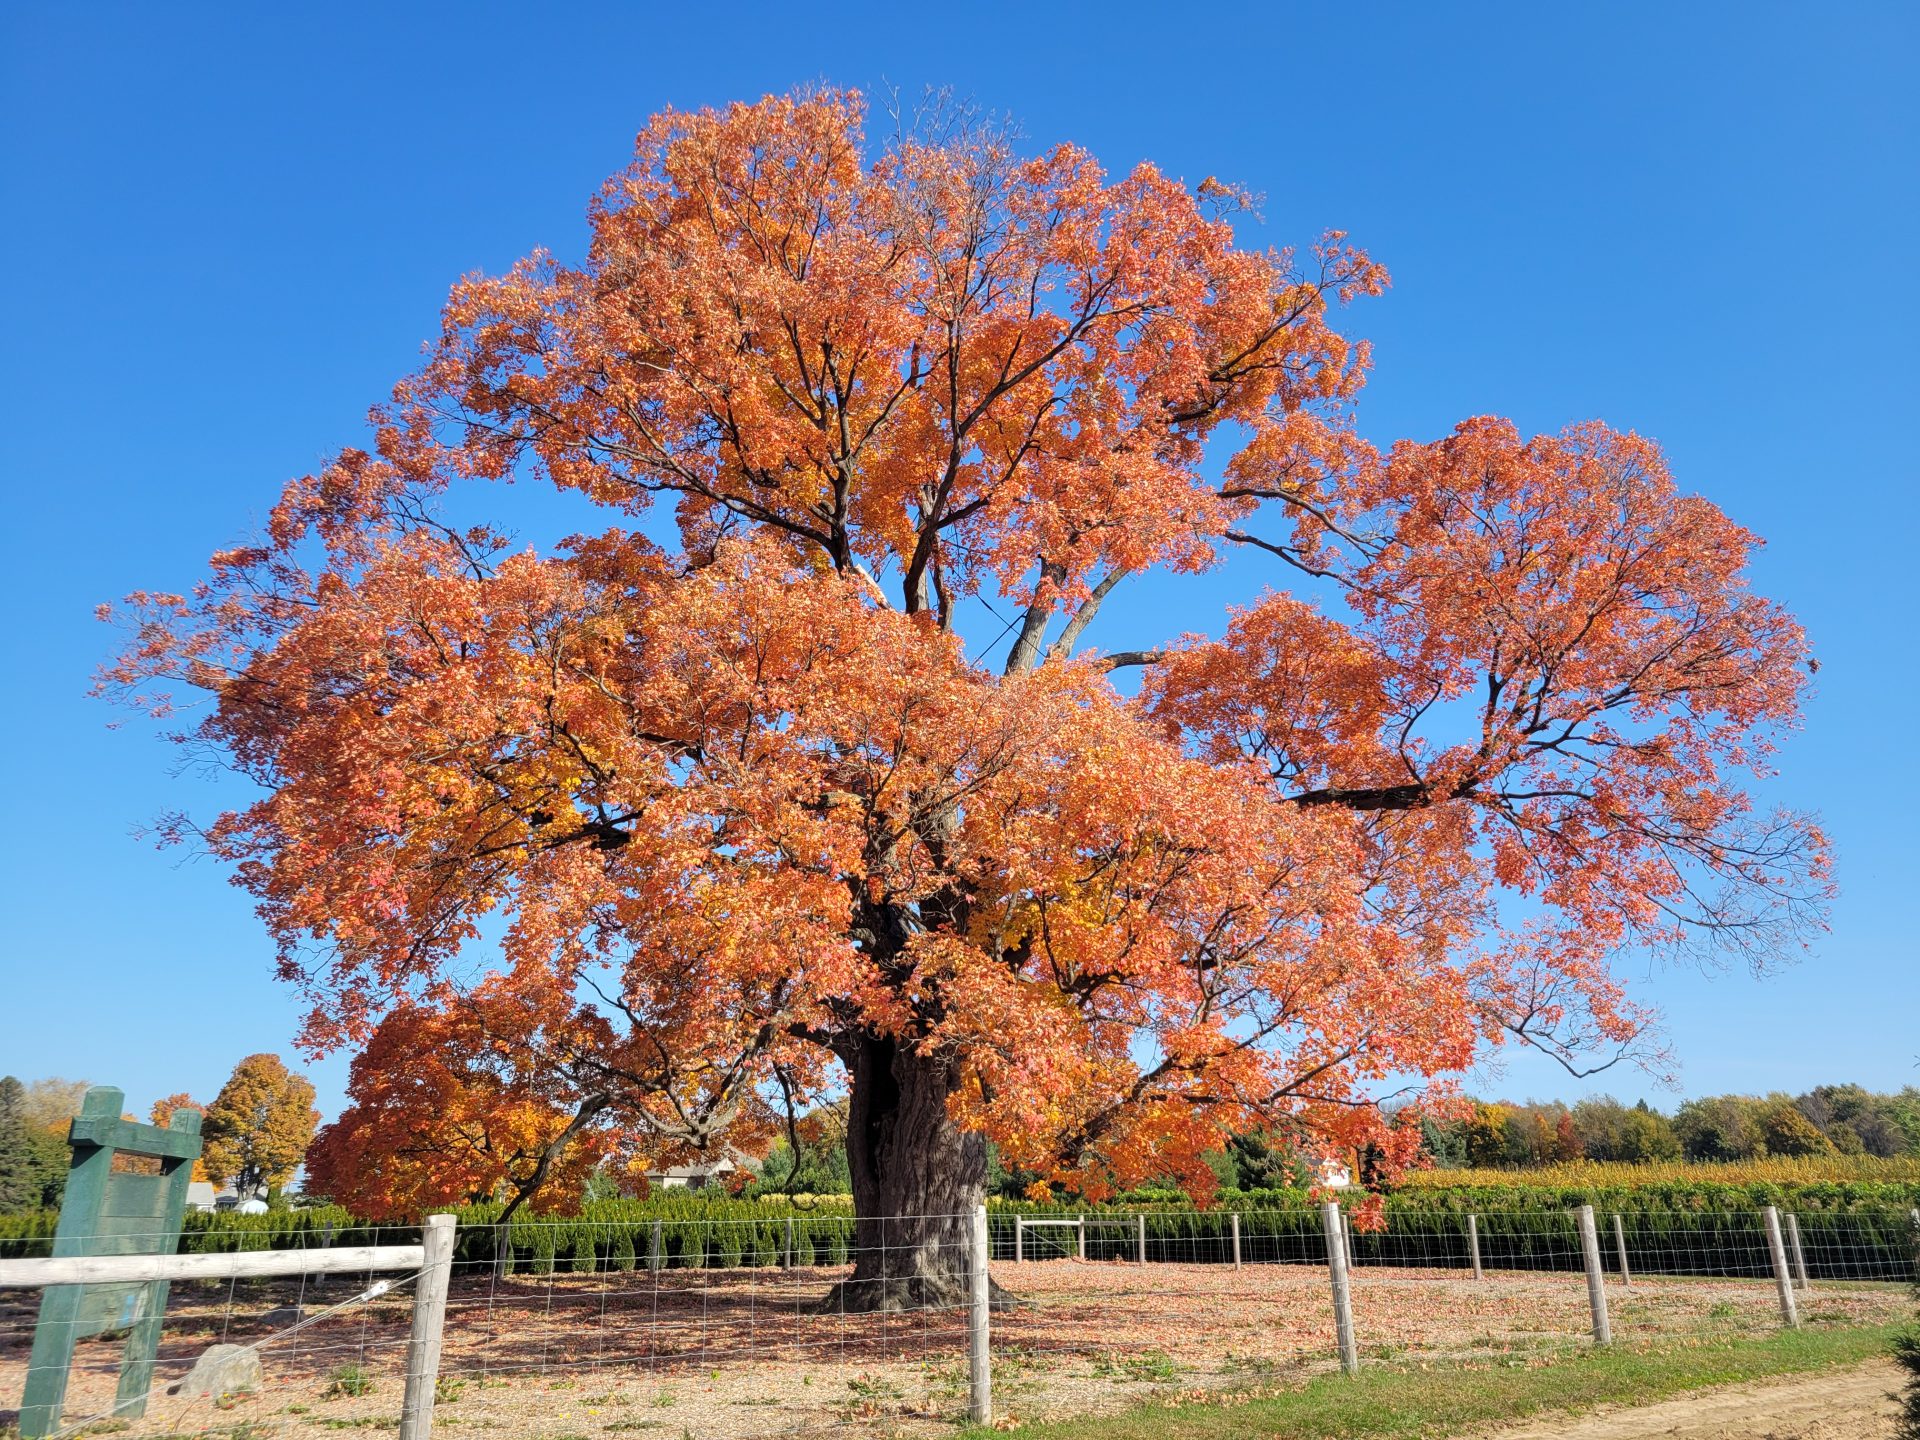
(223, 237)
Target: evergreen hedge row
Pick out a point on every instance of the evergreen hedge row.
(1849, 1230)
(683, 1233)
(1857, 1240)
(671, 1233)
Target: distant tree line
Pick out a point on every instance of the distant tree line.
(1827, 1120)
(33, 1141)
(260, 1124)
(255, 1132)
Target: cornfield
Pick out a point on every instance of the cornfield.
(1782, 1170)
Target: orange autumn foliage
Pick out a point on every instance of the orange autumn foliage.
(747, 818)
(162, 1115)
(446, 1109)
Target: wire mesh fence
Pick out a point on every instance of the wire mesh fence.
(555, 1329)
(312, 1335)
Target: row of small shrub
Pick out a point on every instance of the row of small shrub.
(666, 1233)
(673, 1231)
(1858, 1241)
(1848, 1230)
(542, 1247)
(30, 1232)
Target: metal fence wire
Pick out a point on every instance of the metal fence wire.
(567, 1329)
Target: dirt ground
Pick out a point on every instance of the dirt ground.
(736, 1353)
(1855, 1404)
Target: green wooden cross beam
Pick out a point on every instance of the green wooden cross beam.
(109, 1212)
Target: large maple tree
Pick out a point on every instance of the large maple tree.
(629, 844)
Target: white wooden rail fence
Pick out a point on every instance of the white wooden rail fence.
(239, 1265)
(431, 1261)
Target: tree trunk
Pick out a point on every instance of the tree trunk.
(917, 1179)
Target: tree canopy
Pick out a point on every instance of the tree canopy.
(748, 820)
(33, 1149)
(258, 1127)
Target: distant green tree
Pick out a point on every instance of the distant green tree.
(1785, 1129)
(1647, 1135)
(1494, 1136)
(1856, 1120)
(1005, 1183)
(1719, 1127)
(1599, 1121)
(1444, 1141)
(33, 1157)
(1903, 1113)
(1265, 1160)
(19, 1178)
(602, 1184)
(821, 1171)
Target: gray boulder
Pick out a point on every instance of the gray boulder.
(223, 1370)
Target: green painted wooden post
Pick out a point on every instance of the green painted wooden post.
(109, 1213)
(58, 1327)
(143, 1341)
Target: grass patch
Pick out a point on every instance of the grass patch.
(1147, 1365)
(1404, 1402)
(348, 1380)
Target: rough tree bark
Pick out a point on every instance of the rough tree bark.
(917, 1179)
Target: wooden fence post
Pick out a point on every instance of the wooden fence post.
(1082, 1233)
(1473, 1245)
(789, 1260)
(429, 1320)
(1019, 1239)
(1143, 1239)
(979, 1356)
(656, 1249)
(1596, 1282)
(1235, 1223)
(1620, 1244)
(1789, 1311)
(1342, 1294)
(1799, 1256)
